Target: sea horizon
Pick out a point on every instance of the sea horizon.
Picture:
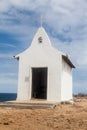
(7, 96)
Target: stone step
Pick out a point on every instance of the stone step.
(27, 105)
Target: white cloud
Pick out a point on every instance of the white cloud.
(77, 49)
(8, 85)
(6, 75)
(7, 45)
(5, 55)
(65, 20)
(60, 15)
(8, 82)
(80, 87)
(4, 5)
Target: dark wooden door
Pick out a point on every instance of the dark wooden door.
(39, 83)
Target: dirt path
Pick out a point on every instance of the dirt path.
(63, 117)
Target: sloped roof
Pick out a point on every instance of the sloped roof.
(66, 59)
(42, 35)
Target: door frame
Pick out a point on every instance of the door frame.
(46, 83)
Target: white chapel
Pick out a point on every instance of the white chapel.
(44, 72)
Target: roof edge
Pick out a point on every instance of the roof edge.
(66, 58)
(16, 57)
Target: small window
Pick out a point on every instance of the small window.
(40, 39)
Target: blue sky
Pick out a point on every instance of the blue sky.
(66, 24)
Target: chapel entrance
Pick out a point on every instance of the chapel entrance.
(39, 83)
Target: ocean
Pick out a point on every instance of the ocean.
(7, 97)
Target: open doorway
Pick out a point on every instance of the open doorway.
(39, 83)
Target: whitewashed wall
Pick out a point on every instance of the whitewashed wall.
(59, 79)
(66, 88)
(40, 55)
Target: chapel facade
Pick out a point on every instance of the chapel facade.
(44, 72)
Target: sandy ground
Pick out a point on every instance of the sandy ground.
(63, 117)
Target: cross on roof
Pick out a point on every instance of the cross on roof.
(41, 21)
